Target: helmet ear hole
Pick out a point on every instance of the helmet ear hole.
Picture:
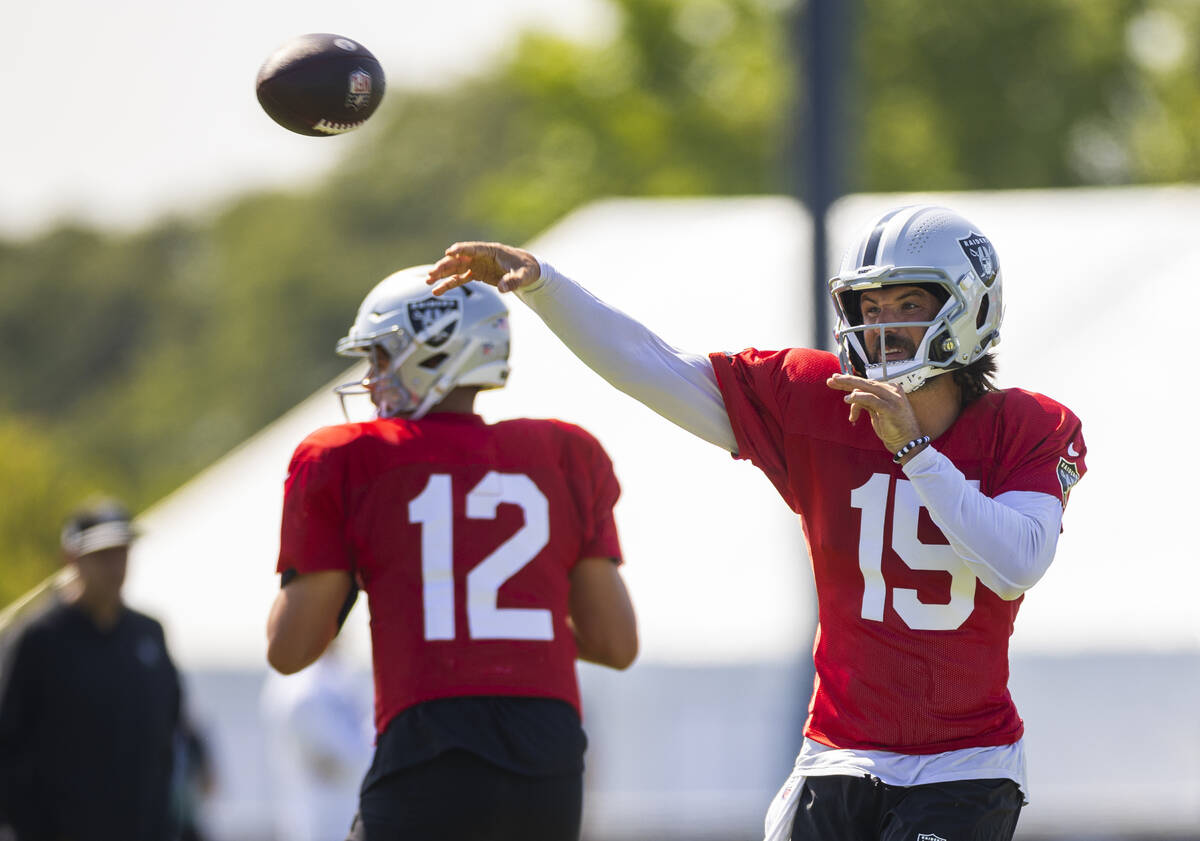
(941, 347)
(981, 318)
(432, 363)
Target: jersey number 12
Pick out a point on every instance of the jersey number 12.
(433, 508)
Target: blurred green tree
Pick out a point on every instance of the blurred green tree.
(40, 487)
(128, 362)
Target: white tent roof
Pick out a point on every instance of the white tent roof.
(715, 561)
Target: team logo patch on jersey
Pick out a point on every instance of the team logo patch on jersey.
(982, 256)
(929, 836)
(1068, 476)
(427, 312)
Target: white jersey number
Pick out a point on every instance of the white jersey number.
(871, 499)
(433, 509)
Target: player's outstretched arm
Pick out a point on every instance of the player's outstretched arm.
(680, 386)
(602, 615)
(305, 618)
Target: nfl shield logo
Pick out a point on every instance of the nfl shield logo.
(359, 92)
(425, 313)
(929, 836)
(982, 256)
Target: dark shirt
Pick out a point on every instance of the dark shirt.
(531, 736)
(86, 729)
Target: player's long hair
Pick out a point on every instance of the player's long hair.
(976, 379)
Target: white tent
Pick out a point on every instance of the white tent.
(716, 563)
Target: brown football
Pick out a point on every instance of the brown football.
(320, 84)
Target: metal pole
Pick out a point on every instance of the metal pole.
(823, 37)
(820, 37)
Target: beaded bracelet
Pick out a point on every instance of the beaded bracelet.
(909, 447)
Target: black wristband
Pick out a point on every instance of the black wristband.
(909, 447)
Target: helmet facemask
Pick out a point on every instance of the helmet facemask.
(385, 357)
(933, 354)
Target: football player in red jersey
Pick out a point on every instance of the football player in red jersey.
(931, 500)
(489, 556)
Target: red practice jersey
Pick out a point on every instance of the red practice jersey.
(911, 652)
(463, 535)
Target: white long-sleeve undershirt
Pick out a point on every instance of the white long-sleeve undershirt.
(678, 385)
(1008, 541)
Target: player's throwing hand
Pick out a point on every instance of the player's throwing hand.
(502, 266)
(887, 405)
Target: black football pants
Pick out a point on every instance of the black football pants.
(841, 808)
(457, 796)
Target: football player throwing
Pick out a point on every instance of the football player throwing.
(931, 501)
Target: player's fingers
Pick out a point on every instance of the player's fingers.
(448, 265)
(867, 400)
(844, 382)
(450, 282)
(480, 255)
(469, 249)
(849, 382)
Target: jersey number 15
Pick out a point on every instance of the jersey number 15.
(872, 499)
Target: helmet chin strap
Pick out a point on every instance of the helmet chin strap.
(910, 382)
(385, 409)
(446, 382)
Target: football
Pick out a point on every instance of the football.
(320, 85)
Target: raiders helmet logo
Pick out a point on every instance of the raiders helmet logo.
(982, 256)
(430, 313)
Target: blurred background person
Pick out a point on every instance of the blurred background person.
(317, 726)
(194, 782)
(91, 706)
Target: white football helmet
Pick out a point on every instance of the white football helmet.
(432, 344)
(935, 248)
